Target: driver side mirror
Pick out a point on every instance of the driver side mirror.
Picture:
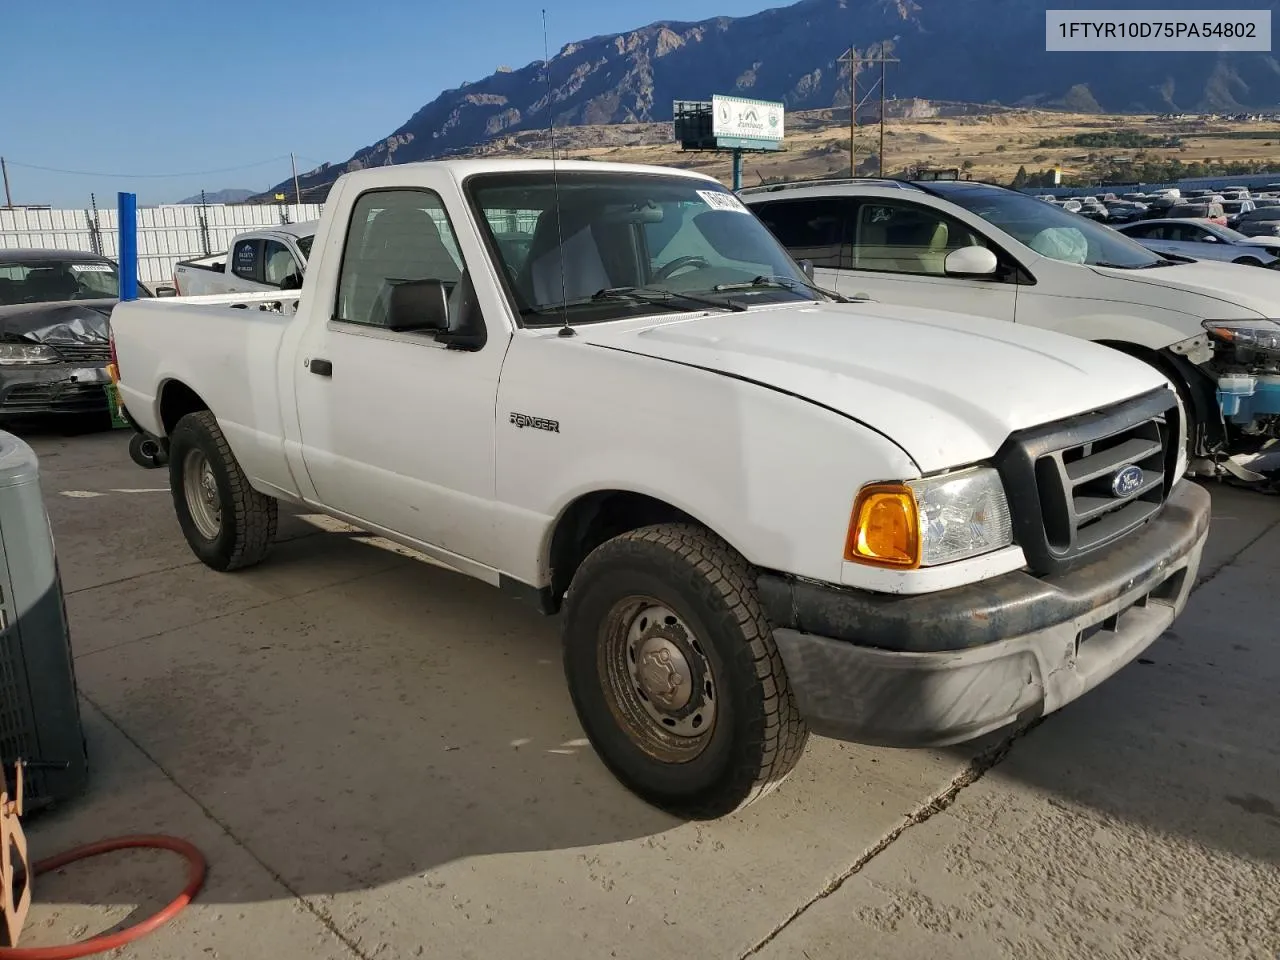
(1208, 238)
(972, 261)
(292, 282)
(807, 267)
(418, 305)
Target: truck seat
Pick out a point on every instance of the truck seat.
(402, 244)
(584, 271)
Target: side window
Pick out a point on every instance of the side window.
(394, 236)
(278, 263)
(1146, 233)
(896, 237)
(810, 229)
(246, 260)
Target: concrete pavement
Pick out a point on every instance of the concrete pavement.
(380, 758)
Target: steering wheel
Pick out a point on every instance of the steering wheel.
(680, 263)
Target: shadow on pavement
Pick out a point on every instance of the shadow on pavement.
(353, 734)
(56, 425)
(1186, 740)
(354, 717)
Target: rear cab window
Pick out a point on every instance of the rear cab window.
(246, 260)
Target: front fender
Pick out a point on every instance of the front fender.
(772, 474)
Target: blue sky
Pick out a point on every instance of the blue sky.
(166, 91)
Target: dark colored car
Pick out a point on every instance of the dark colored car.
(1199, 211)
(1124, 211)
(1262, 222)
(54, 349)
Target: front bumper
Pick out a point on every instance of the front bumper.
(52, 388)
(941, 668)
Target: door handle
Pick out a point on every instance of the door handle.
(321, 368)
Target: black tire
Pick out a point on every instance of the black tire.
(757, 734)
(246, 522)
(146, 451)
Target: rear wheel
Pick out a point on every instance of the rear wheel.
(227, 523)
(1248, 262)
(674, 672)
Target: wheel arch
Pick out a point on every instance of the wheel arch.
(176, 401)
(1190, 381)
(594, 517)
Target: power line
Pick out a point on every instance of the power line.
(147, 176)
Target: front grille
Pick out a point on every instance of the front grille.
(58, 397)
(83, 352)
(1061, 478)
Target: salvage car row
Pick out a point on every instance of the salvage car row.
(861, 473)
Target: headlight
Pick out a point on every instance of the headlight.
(1248, 337)
(927, 522)
(27, 353)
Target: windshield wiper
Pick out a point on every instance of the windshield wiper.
(1135, 266)
(783, 283)
(664, 298)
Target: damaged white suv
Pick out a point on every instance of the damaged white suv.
(987, 250)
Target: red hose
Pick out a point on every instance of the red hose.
(195, 880)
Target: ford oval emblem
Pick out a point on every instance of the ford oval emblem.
(1126, 481)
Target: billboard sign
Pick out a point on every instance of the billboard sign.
(748, 121)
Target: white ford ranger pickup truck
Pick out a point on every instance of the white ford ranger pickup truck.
(760, 509)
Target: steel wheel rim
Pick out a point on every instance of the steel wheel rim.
(657, 679)
(200, 488)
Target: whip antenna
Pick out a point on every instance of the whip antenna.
(565, 330)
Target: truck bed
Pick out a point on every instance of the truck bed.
(217, 263)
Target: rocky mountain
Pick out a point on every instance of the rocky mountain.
(230, 195)
(981, 51)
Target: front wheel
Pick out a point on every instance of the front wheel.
(674, 672)
(1248, 262)
(227, 523)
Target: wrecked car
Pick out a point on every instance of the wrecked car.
(981, 249)
(54, 306)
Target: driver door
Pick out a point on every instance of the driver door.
(397, 430)
(896, 251)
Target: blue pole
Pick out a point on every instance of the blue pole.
(737, 169)
(127, 208)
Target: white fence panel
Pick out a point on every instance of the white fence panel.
(165, 234)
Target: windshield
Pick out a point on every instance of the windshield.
(304, 245)
(1226, 233)
(1050, 231)
(54, 281)
(627, 243)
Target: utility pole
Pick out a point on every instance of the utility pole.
(881, 154)
(297, 194)
(851, 59)
(4, 169)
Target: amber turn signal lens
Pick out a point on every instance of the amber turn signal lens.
(885, 529)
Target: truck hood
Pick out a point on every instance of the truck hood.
(947, 388)
(1241, 293)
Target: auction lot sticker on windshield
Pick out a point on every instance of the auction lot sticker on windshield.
(1138, 31)
(719, 200)
(91, 267)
